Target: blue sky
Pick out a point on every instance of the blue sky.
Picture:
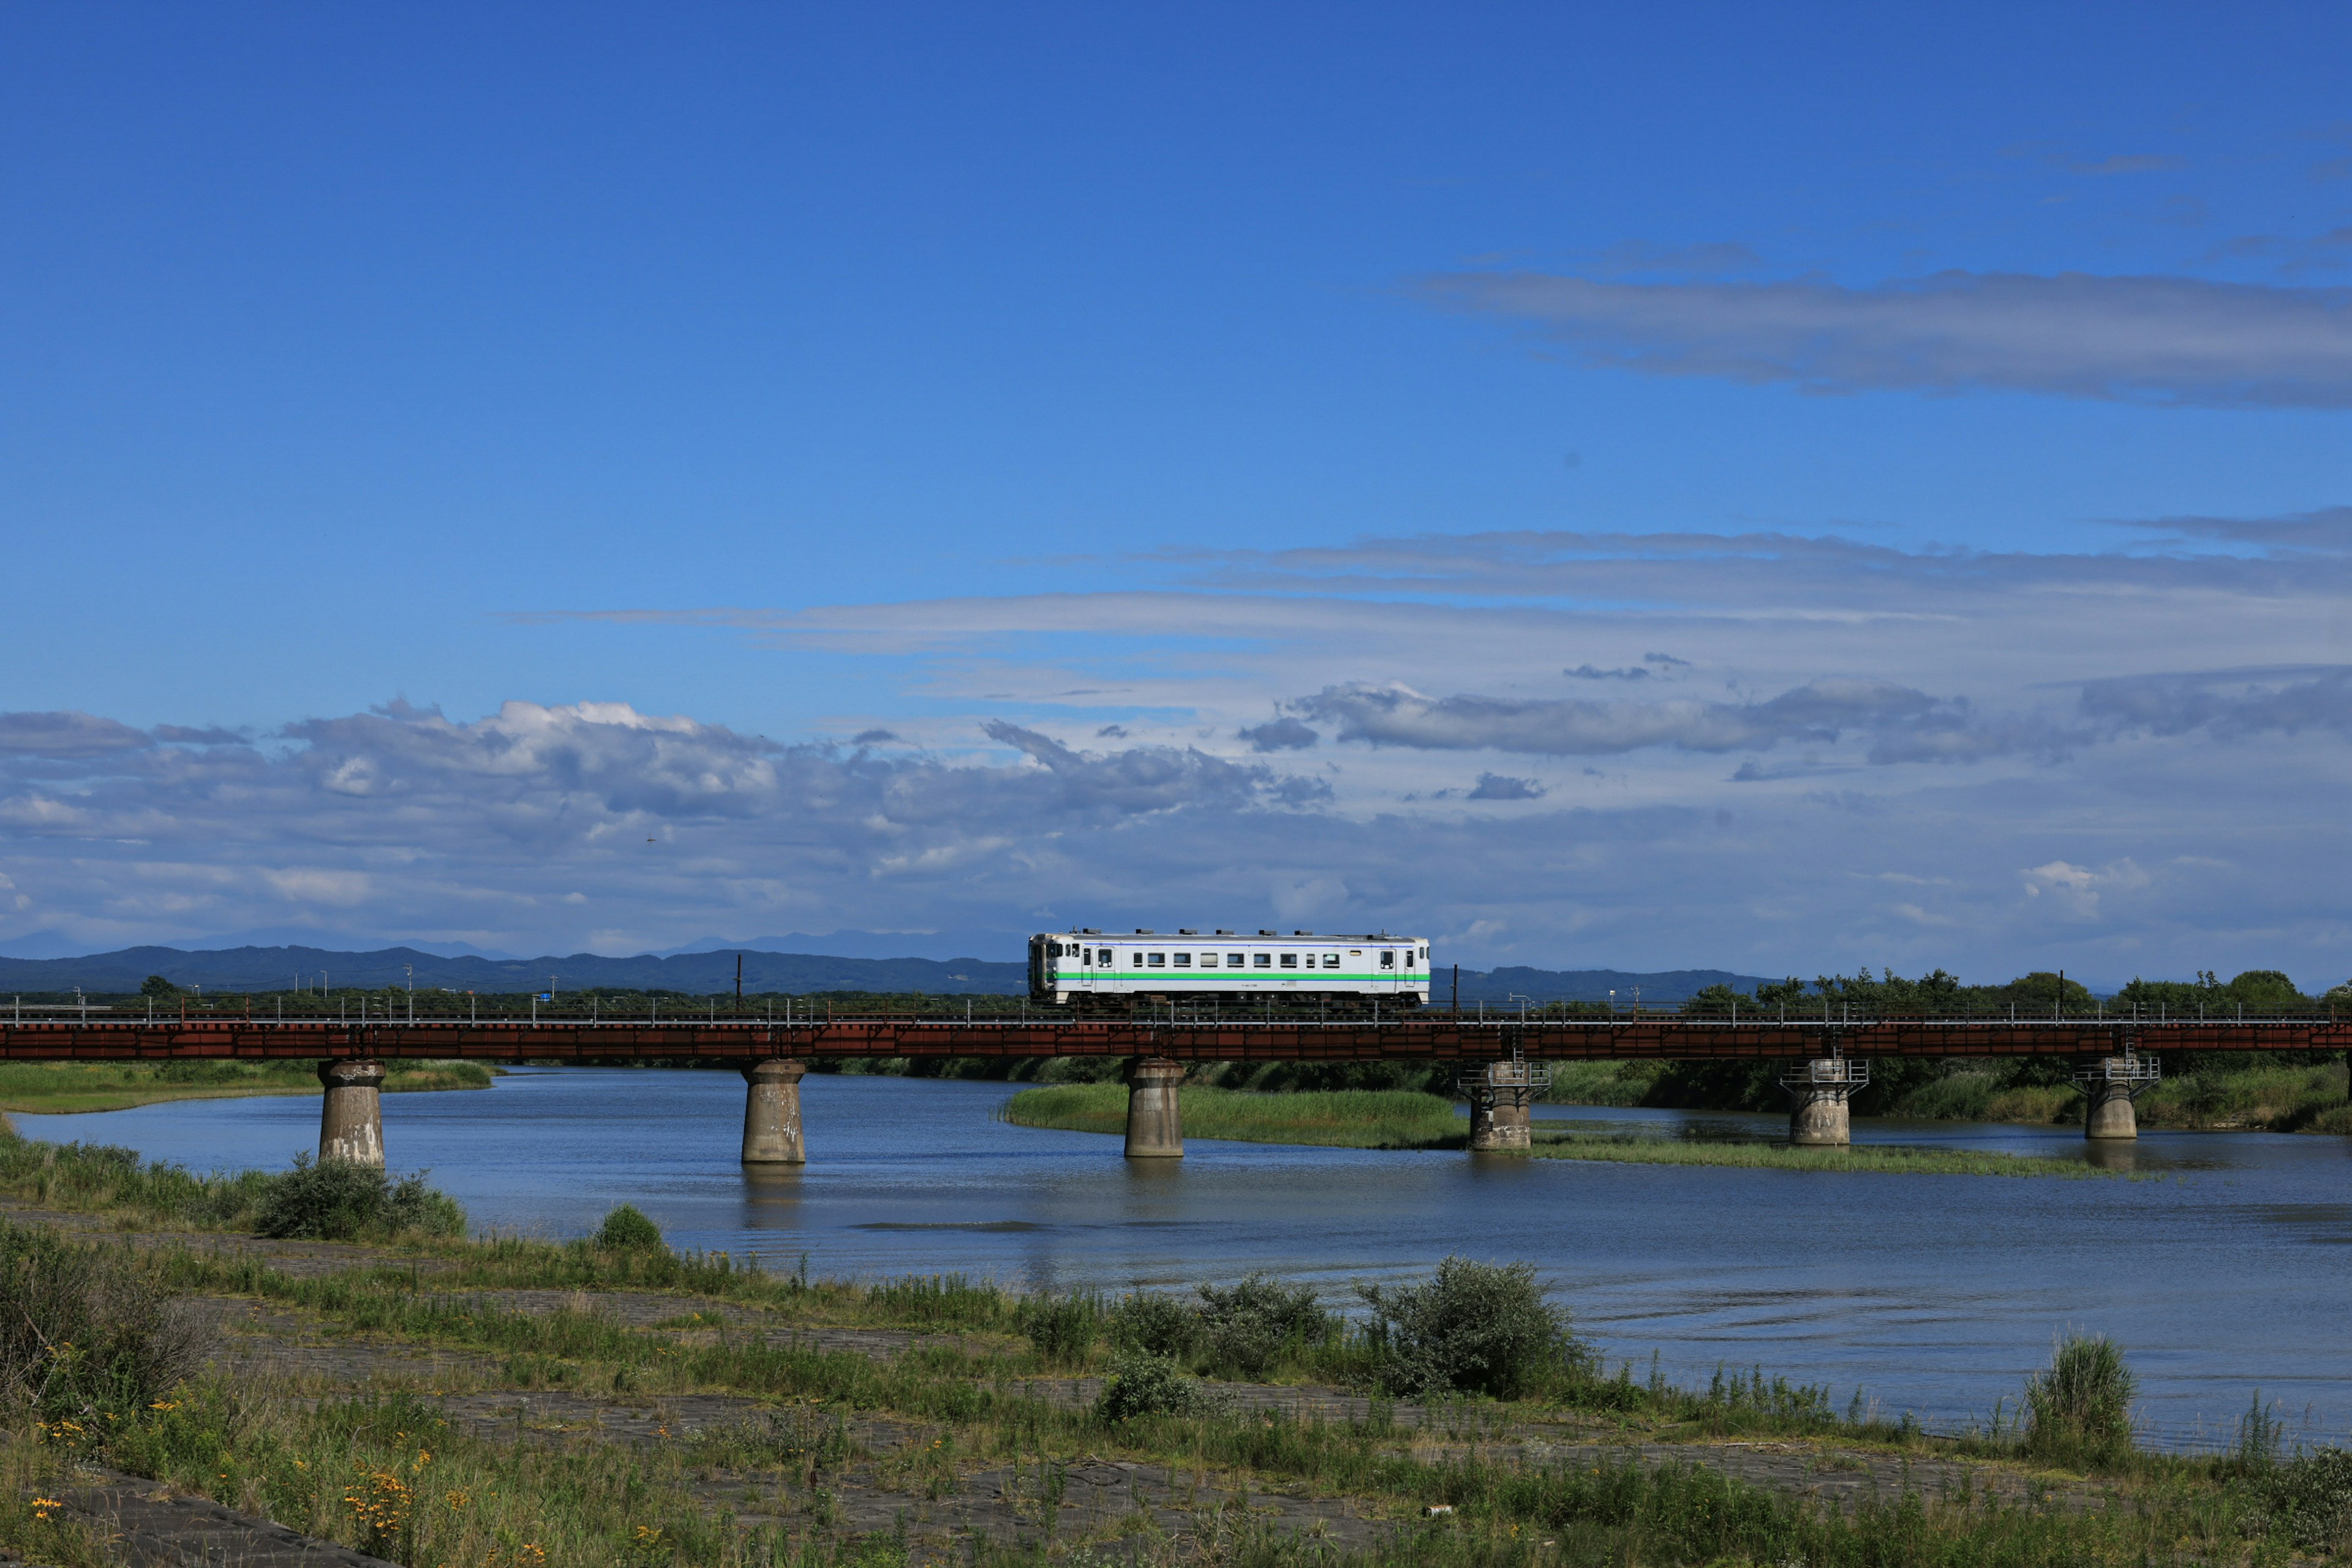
(1209, 444)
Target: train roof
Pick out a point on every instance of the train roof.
(1237, 935)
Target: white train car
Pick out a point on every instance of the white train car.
(1096, 972)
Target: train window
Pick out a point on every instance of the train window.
(1424, 955)
(1388, 958)
(1233, 960)
(1330, 961)
(1289, 961)
(1408, 958)
(1156, 961)
(1263, 960)
(1184, 961)
(1208, 961)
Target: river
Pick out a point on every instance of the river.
(2225, 1272)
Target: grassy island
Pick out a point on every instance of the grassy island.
(1403, 1119)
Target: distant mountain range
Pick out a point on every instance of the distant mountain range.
(278, 968)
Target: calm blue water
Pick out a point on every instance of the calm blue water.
(1936, 1294)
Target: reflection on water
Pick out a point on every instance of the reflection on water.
(2111, 1153)
(2224, 1267)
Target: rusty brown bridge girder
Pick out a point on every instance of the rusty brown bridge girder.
(1422, 1038)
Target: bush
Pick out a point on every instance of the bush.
(336, 1200)
(1063, 1328)
(1141, 1385)
(86, 1331)
(2310, 1499)
(626, 1229)
(2079, 1410)
(1472, 1328)
(1156, 1325)
(1248, 1327)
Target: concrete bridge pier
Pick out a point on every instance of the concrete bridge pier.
(771, 1113)
(1819, 1117)
(1500, 1094)
(350, 1118)
(1155, 1115)
(2109, 1085)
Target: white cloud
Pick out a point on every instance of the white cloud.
(2158, 340)
(2179, 706)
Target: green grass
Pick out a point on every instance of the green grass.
(451, 1496)
(388, 1472)
(1601, 1083)
(103, 1179)
(1396, 1119)
(51, 1088)
(2272, 1098)
(1345, 1119)
(1877, 1158)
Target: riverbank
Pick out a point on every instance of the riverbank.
(2258, 1099)
(50, 1088)
(1399, 1119)
(615, 1405)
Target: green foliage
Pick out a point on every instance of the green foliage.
(338, 1200)
(1248, 1328)
(1718, 1085)
(626, 1229)
(1064, 1327)
(2078, 1410)
(1142, 1384)
(1156, 1325)
(1949, 1096)
(156, 986)
(2260, 1435)
(2309, 1500)
(1471, 1328)
(87, 1334)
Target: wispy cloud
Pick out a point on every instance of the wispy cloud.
(1899, 723)
(2228, 704)
(66, 734)
(2142, 338)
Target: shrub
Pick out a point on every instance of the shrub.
(2079, 1410)
(626, 1229)
(1141, 1385)
(1473, 1327)
(1156, 1325)
(86, 1331)
(336, 1200)
(1249, 1326)
(2310, 1499)
(1956, 1096)
(1063, 1328)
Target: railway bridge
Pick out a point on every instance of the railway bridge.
(1502, 1063)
